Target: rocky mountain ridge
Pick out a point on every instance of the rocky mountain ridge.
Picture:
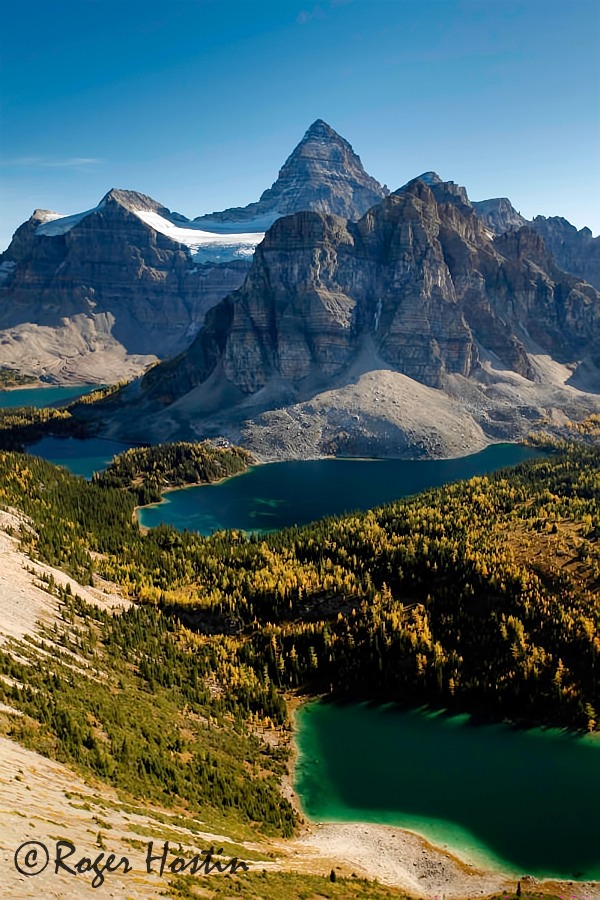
(323, 173)
(100, 295)
(499, 214)
(417, 302)
(575, 251)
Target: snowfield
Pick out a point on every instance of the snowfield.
(61, 224)
(205, 246)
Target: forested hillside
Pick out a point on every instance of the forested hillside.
(22, 425)
(482, 596)
(148, 471)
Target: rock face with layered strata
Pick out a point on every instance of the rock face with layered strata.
(417, 287)
(323, 173)
(102, 294)
(499, 214)
(575, 251)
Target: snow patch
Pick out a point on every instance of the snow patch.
(378, 313)
(258, 223)
(206, 246)
(61, 224)
(223, 245)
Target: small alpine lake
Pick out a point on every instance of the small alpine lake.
(276, 495)
(82, 456)
(522, 801)
(43, 396)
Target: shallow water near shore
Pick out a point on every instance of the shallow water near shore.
(520, 801)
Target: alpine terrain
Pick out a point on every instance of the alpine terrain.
(415, 330)
(100, 295)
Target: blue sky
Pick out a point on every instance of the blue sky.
(199, 102)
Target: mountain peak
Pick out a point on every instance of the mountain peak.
(131, 200)
(430, 178)
(498, 214)
(320, 129)
(443, 191)
(322, 173)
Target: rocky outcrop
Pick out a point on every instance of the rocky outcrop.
(499, 214)
(102, 294)
(323, 173)
(574, 251)
(416, 287)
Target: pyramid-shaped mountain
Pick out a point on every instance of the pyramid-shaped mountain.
(101, 294)
(323, 173)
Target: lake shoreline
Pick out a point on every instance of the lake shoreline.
(183, 487)
(43, 385)
(269, 460)
(404, 857)
(34, 385)
(407, 860)
(301, 495)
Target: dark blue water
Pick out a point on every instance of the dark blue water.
(80, 456)
(276, 495)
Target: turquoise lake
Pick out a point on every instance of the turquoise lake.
(276, 495)
(526, 802)
(46, 396)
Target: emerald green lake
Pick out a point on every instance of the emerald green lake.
(524, 801)
(46, 396)
(276, 495)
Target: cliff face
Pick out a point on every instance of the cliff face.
(323, 173)
(574, 251)
(417, 275)
(499, 214)
(104, 293)
(417, 287)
